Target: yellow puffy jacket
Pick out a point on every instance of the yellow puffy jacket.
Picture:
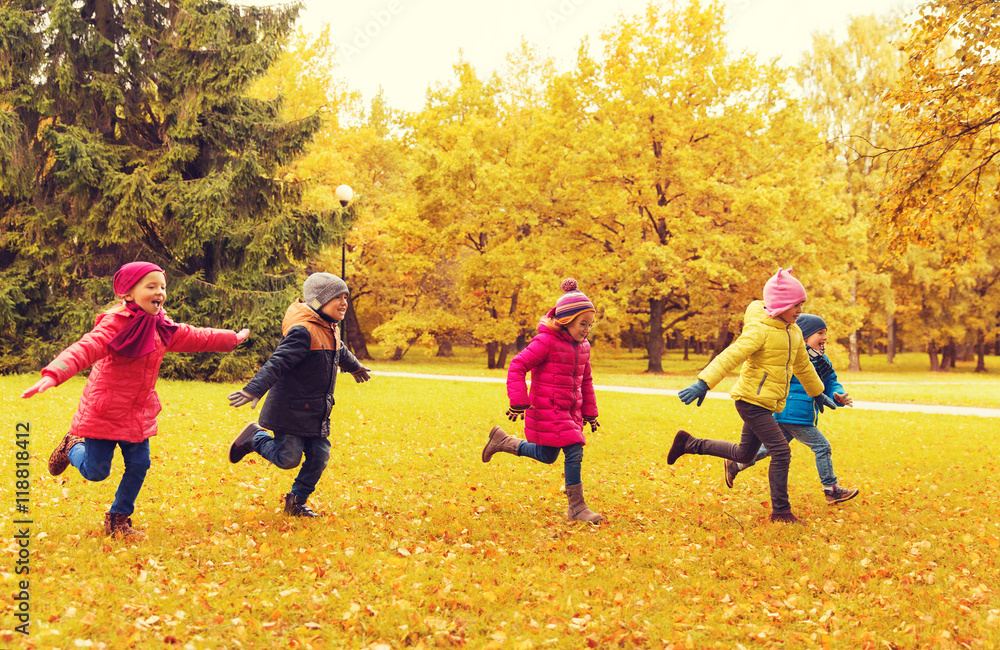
(771, 352)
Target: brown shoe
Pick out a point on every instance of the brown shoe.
(839, 494)
(59, 459)
(578, 509)
(678, 448)
(296, 506)
(500, 441)
(785, 518)
(243, 444)
(732, 468)
(119, 525)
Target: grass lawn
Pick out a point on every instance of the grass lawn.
(423, 545)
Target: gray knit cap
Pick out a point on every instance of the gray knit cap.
(321, 288)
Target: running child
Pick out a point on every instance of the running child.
(119, 404)
(561, 397)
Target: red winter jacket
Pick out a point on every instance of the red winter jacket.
(562, 390)
(119, 401)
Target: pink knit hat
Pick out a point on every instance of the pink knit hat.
(782, 292)
(129, 274)
(571, 304)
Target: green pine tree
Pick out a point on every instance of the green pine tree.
(126, 133)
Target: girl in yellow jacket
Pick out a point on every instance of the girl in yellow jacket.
(771, 350)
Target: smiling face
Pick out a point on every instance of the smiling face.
(817, 340)
(336, 308)
(149, 293)
(579, 327)
(789, 315)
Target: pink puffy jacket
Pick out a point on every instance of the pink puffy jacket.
(562, 389)
(119, 401)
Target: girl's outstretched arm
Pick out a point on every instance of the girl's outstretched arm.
(39, 386)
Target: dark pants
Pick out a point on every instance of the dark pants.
(286, 451)
(759, 427)
(573, 455)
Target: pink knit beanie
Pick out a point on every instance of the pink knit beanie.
(129, 274)
(571, 304)
(782, 292)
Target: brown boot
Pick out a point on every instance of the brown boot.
(296, 506)
(500, 441)
(243, 444)
(59, 460)
(679, 447)
(578, 507)
(117, 524)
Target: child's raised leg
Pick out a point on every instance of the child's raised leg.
(499, 441)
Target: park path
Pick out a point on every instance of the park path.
(634, 390)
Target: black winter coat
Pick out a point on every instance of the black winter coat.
(301, 374)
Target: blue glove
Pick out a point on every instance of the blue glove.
(824, 400)
(695, 391)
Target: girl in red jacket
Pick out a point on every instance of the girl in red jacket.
(119, 405)
(561, 397)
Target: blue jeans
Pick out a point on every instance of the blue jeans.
(573, 458)
(813, 438)
(285, 451)
(93, 458)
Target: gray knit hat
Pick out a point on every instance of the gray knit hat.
(321, 288)
(810, 324)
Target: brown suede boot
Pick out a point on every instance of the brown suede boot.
(578, 509)
(679, 447)
(120, 525)
(500, 441)
(59, 460)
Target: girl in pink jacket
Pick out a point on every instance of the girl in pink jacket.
(561, 397)
(119, 404)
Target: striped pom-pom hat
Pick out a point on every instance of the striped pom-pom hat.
(571, 304)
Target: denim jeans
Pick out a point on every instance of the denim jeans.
(93, 458)
(573, 455)
(813, 438)
(759, 427)
(285, 451)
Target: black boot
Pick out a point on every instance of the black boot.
(679, 448)
(243, 443)
(296, 506)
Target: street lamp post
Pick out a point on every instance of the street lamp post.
(344, 194)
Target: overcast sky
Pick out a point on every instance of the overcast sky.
(405, 46)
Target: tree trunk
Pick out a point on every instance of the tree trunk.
(654, 347)
(522, 342)
(502, 361)
(491, 355)
(890, 337)
(687, 346)
(932, 354)
(445, 348)
(980, 351)
(722, 341)
(871, 340)
(631, 336)
(397, 355)
(353, 335)
(853, 356)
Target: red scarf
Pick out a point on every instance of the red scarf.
(137, 339)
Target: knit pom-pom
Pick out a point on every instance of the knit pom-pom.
(569, 284)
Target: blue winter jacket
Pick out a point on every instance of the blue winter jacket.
(799, 407)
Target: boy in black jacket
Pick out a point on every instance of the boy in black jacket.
(300, 376)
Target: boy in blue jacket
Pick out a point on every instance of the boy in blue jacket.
(300, 377)
(801, 415)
